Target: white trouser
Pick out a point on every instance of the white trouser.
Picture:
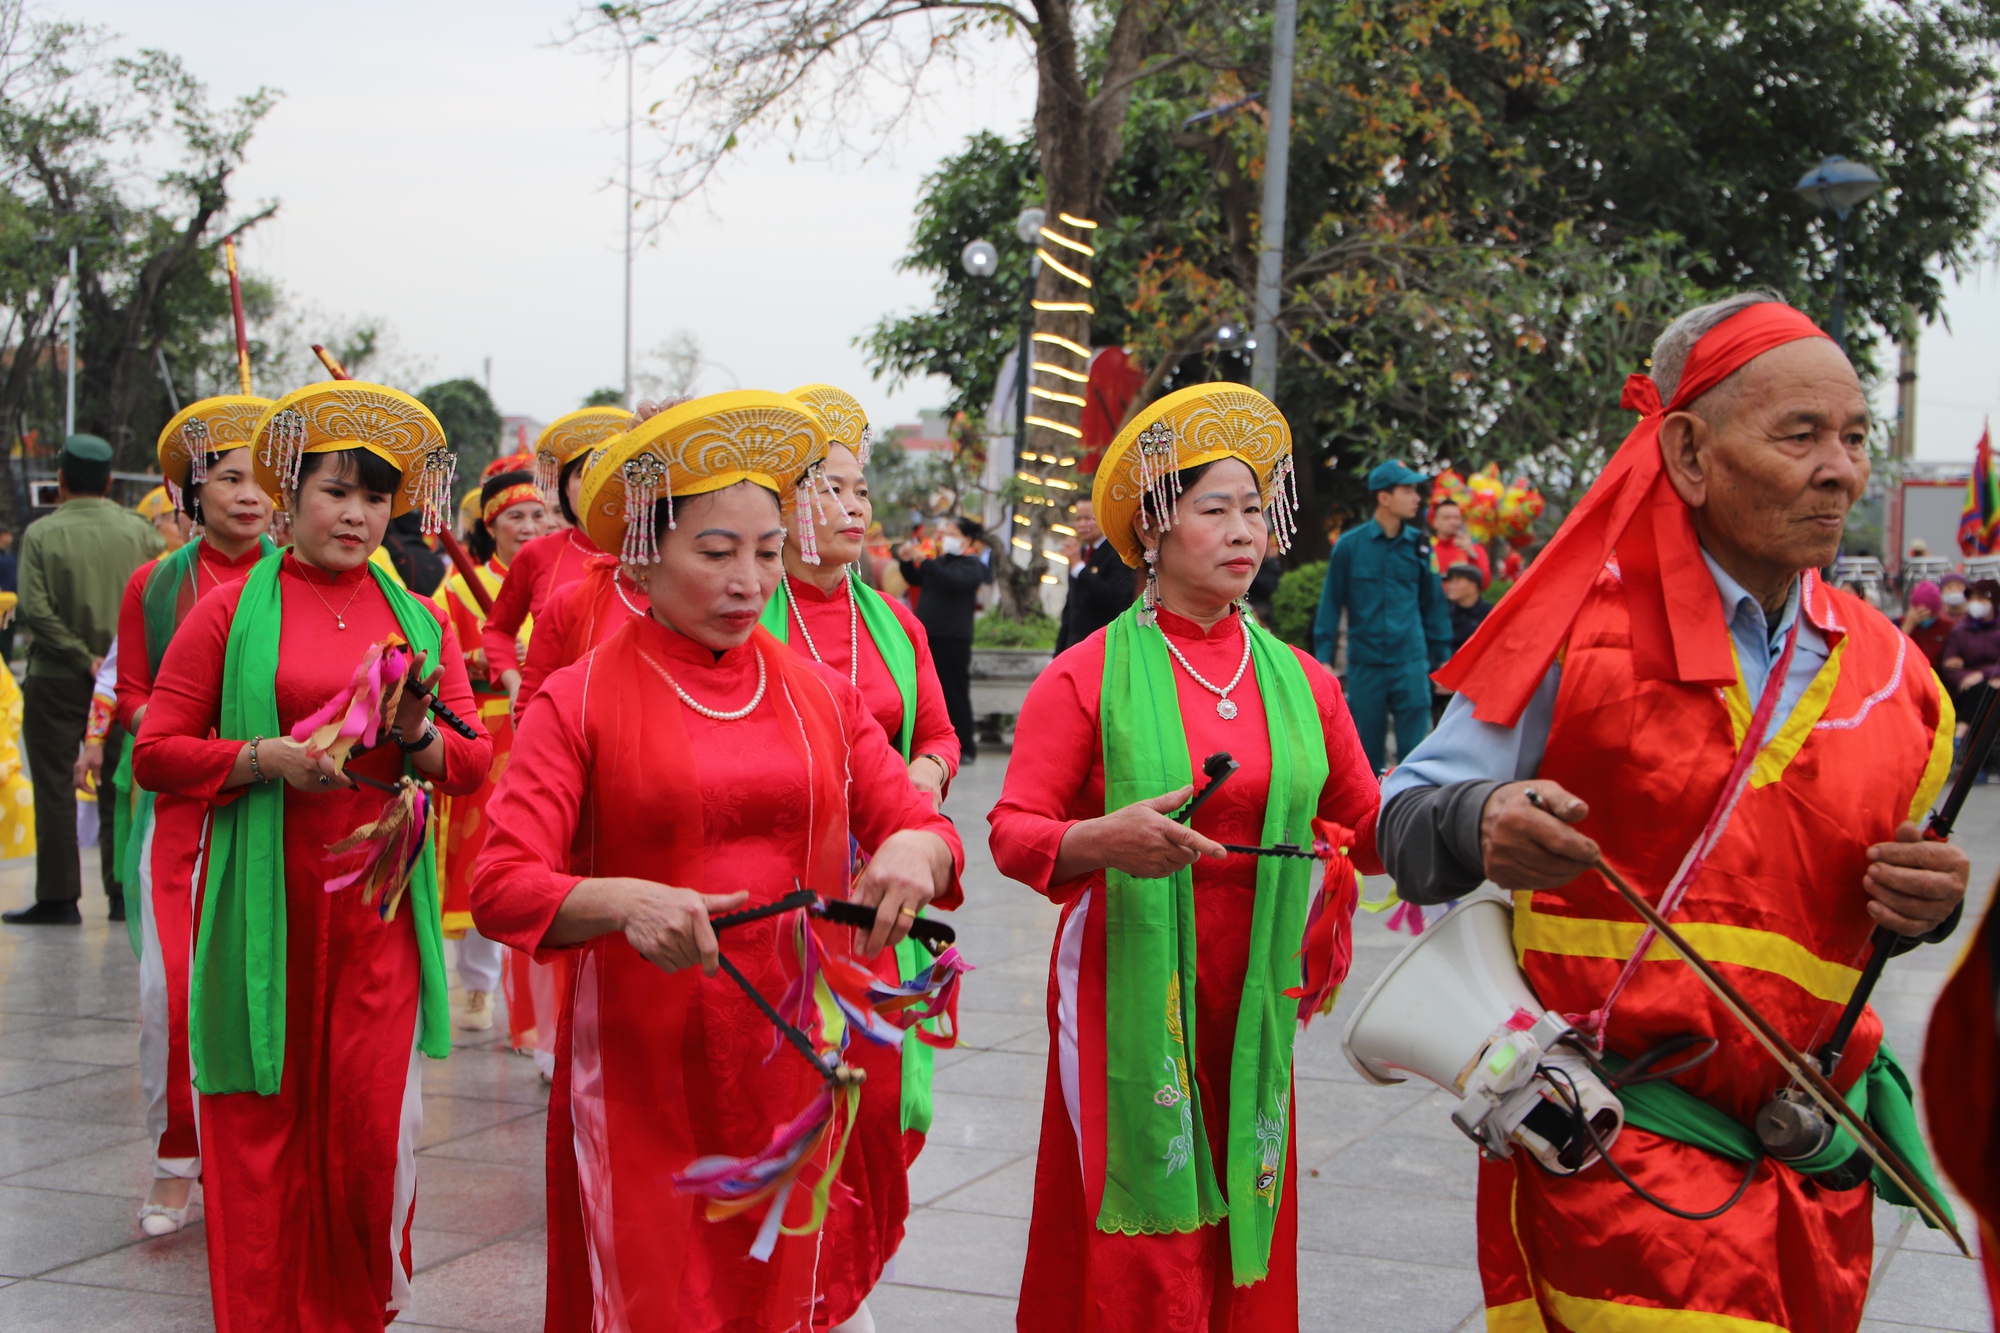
(153, 1043)
(479, 962)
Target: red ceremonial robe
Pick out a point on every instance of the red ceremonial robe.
(1780, 910)
(864, 1229)
(575, 620)
(613, 776)
(570, 624)
(169, 863)
(1077, 1277)
(541, 569)
(461, 829)
(310, 1191)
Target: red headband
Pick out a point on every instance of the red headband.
(520, 493)
(1634, 511)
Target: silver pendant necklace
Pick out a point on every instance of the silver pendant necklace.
(1225, 707)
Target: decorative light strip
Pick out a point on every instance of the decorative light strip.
(1056, 264)
(1063, 529)
(1084, 223)
(1021, 519)
(1024, 543)
(1050, 578)
(1063, 240)
(1063, 343)
(1065, 307)
(1054, 557)
(1070, 431)
(1059, 483)
(1072, 376)
(1054, 397)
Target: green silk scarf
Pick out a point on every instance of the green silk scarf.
(1159, 1176)
(236, 1023)
(892, 641)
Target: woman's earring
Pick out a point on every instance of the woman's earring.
(1149, 600)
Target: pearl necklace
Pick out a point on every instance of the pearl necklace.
(715, 714)
(853, 630)
(618, 586)
(1225, 708)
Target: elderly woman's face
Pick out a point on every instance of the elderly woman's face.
(1773, 460)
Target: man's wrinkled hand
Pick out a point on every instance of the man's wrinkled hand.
(1915, 884)
(1529, 848)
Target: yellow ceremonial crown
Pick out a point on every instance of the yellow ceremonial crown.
(1196, 425)
(700, 446)
(349, 414)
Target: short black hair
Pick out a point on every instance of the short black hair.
(84, 476)
(972, 529)
(479, 541)
(569, 470)
(356, 466)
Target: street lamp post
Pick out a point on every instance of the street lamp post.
(617, 14)
(69, 408)
(1839, 185)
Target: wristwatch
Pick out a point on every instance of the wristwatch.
(423, 743)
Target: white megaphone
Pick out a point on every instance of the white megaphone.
(1454, 1008)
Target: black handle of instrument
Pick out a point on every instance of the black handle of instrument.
(451, 719)
(1217, 768)
(1882, 943)
(862, 917)
(1278, 849)
(838, 911)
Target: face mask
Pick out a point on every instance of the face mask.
(953, 545)
(1979, 610)
(1954, 600)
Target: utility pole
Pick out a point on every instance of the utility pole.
(69, 412)
(1277, 166)
(1905, 446)
(628, 224)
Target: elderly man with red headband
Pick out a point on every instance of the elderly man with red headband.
(1674, 688)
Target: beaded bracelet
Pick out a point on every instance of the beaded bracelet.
(256, 772)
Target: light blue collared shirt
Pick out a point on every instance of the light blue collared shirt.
(1465, 749)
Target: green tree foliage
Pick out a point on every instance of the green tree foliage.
(605, 397)
(73, 125)
(1494, 209)
(1295, 603)
(471, 422)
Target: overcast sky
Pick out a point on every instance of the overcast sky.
(444, 165)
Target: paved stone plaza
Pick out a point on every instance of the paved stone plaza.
(1385, 1197)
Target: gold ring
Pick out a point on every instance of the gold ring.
(908, 911)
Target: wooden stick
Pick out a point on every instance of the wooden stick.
(333, 367)
(236, 304)
(1805, 1071)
